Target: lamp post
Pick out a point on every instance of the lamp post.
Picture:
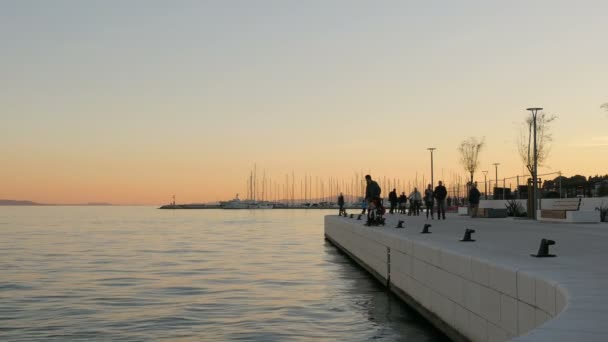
(496, 168)
(432, 174)
(534, 111)
(485, 182)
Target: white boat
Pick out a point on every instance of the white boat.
(236, 203)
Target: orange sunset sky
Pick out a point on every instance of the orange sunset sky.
(132, 102)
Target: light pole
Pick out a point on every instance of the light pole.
(534, 111)
(432, 174)
(496, 168)
(485, 182)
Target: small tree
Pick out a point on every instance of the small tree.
(469, 154)
(525, 143)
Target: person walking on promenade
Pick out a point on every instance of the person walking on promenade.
(363, 206)
(474, 196)
(429, 199)
(392, 198)
(372, 194)
(341, 204)
(440, 194)
(402, 201)
(415, 201)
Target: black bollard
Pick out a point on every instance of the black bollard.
(467, 235)
(425, 229)
(351, 215)
(543, 250)
(359, 218)
(400, 224)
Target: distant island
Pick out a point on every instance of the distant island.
(31, 203)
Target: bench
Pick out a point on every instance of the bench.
(492, 212)
(568, 210)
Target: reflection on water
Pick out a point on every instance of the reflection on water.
(137, 273)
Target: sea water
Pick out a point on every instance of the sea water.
(140, 274)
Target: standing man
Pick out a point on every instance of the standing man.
(440, 194)
(392, 198)
(372, 194)
(341, 204)
(415, 202)
(474, 196)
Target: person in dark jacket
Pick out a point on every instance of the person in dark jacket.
(429, 199)
(341, 204)
(440, 194)
(402, 202)
(372, 194)
(392, 198)
(474, 196)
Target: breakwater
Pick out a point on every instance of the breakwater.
(490, 289)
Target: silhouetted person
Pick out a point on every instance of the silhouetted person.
(449, 201)
(402, 201)
(440, 194)
(341, 204)
(392, 198)
(429, 200)
(474, 196)
(372, 193)
(415, 202)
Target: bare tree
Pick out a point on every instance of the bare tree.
(525, 143)
(469, 154)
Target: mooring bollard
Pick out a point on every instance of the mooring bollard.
(467, 235)
(359, 218)
(400, 224)
(351, 215)
(425, 229)
(543, 250)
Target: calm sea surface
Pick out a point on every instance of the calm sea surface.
(138, 273)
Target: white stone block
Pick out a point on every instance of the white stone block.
(480, 272)
(473, 297)
(421, 272)
(540, 317)
(443, 307)
(456, 263)
(497, 334)
(508, 314)
(526, 319)
(478, 328)
(545, 296)
(560, 299)
(503, 280)
(428, 254)
(452, 286)
(490, 304)
(461, 319)
(400, 262)
(526, 288)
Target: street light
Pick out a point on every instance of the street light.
(432, 175)
(534, 111)
(485, 182)
(496, 168)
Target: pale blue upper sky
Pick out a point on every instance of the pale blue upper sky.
(146, 81)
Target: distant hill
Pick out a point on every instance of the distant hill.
(13, 202)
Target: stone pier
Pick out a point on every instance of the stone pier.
(490, 289)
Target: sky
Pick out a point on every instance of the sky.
(131, 102)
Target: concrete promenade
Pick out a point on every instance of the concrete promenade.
(490, 289)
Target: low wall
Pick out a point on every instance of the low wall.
(588, 203)
(467, 297)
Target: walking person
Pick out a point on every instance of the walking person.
(415, 201)
(429, 200)
(341, 204)
(474, 196)
(440, 194)
(392, 198)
